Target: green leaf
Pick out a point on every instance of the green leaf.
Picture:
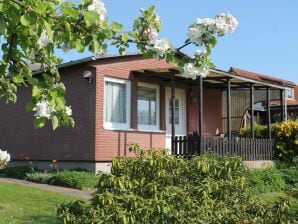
(36, 91)
(122, 51)
(79, 45)
(18, 79)
(124, 37)
(90, 18)
(39, 122)
(25, 20)
(116, 26)
(48, 29)
(2, 25)
(55, 122)
(29, 106)
(85, 2)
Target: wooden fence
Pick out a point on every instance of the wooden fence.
(248, 149)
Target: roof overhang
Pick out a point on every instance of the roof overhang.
(215, 79)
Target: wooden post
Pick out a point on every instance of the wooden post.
(282, 105)
(173, 112)
(269, 112)
(200, 108)
(252, 117)
(229, 118)
(200, 105)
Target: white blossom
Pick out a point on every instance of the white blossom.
(99, 7)
(43, 109)
(59, 85)
(225, 23)
(151, 33)
(161, 46)
(195, 34)
(68, 110)
(191, 71)
(4, 156)
(44, 39)
(208, 22)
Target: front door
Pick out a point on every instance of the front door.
(180, 114)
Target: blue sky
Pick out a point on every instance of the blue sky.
(265, 41)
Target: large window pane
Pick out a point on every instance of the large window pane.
(115, 102)
(147, 106)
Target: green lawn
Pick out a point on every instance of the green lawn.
(273, 197)
(22, 204)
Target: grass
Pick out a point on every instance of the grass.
(22, 204)
(273, 197)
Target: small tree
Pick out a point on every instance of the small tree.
(30, 31)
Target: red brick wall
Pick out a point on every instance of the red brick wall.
(89, 141)
(21, 140)
(108, 143)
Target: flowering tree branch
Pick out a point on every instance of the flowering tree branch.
(31, 31)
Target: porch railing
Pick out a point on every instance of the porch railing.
(248, 149)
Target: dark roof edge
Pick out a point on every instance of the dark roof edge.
(94, 58)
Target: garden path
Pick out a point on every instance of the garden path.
(82, 194)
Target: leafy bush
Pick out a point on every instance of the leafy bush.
(19, 172)
(155, 187)
(74, 179)
(266, 180)
(261, 131)
(286, 135)
(289, 173)
(39, 177)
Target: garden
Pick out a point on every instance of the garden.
(153, 186)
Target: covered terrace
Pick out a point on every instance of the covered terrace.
(198, 143)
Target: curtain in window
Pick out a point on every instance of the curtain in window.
(146, 106)
(115, 102)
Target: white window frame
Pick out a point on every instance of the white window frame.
(292, 91)
(150, 127)
(112, 125)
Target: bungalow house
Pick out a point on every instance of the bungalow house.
(129, 99)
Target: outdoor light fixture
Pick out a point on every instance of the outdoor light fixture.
(88, 76)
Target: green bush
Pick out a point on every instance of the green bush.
(155, 187)
(289, 173)
(261, 131)
(19, 172)
(74, 179)
(39, 177)
(266, 180)
(286, 135)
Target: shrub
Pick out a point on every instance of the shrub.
(74, 179)
(39, 177)
(266, 180)
(19, 172)
(289, 173)
(261, 131)
(155, 187)
(286, 135)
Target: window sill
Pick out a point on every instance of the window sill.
(133, 130)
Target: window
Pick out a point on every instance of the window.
(116, 103)
(148, 106)
(290, 93)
